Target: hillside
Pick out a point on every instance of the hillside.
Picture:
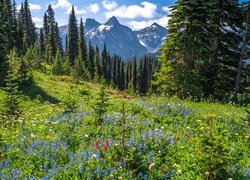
(169, 136)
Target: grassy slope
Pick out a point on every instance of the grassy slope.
(45, 100)
(49, 91)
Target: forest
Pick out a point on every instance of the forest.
(84, 113)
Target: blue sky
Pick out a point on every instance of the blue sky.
(136, 14)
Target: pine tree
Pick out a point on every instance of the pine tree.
(72, 37)
(83, 47)
(9, 24)
(3, 42)
(58, 39)
(57, 68)
(114, 76)
(91, 60)
(53, 38)
(104, 61)
(98, 67)
(134, 75)
(122, 77)
(29, 29)
(12, 108)
(142, 77)
(45, 26)
(41, 42)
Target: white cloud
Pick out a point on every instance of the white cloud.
(167, 9)
(94, 8)
(33, 7)
(77, 11)
(109, 5)
(138, 25)
(146, 10)
(37, 19)
(63, 4)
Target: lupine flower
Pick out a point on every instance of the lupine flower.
(105, 148)
(1, 156)
(151, 166)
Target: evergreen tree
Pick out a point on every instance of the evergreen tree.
(41, 42)
(115, 70)
(122, 77)
(142, 77)
(53, 39)
(91, 60)
(134, 75)
(58, 39)
(198, 58)
(12, 108)
(83, 47)
(104, 61)
(72, 37)
(98, 67)
(3, 42)
(9, 24)
(45, 26)
(20, 31)
(29, 29)
(58, 68)
(118, 74)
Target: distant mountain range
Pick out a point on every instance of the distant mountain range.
(120, 39)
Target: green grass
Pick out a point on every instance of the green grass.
(185, 139)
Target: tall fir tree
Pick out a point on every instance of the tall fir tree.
(91, 60)
(3, 42)
(134, 75)
(98, 67)
(142, 77)
(41, 42)
(72, 37)
(29, 29)
(82, 46)
(12, 102)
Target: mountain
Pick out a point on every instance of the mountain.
(120, 39)
(152, 37)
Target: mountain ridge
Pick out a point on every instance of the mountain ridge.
(121, 39)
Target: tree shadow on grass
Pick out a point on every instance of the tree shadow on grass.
(35, 92)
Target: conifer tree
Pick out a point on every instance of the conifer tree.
(98, 67)
(91, 60)
(83, 47)
(142, 77)
(115, 70)
(41, 42)
(58, 39)
(58, 68)
(12, 108)
(29, 29)
(9, 24)
(72, 37)
(104, 61)
(45, 27)
(122, 77)
(3, 41)
(134, 75)
(53, 37)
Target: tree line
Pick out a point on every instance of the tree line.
(205, 51)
